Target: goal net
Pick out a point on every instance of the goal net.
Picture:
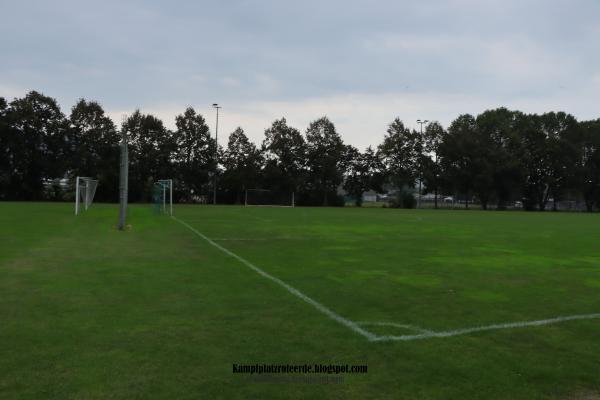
(85, 189)
(265, 197)
(162, 194)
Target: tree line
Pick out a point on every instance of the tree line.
(495, 158)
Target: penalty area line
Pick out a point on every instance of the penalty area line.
(320, 307)
(464, 331)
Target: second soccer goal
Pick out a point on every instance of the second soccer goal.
(162, 194)
(266, 197)
(85, 189)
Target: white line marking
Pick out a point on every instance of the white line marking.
(349, 324)
(250, 239)
(464, 331)
(396, 325)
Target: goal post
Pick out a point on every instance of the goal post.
(85, 190)
(162, 195)
(268, 198)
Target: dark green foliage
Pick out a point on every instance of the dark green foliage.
(151, 148)
(325, 154)
(403, 199)
(589, 178)
(95, 142)
(242, 162)
(400, 153)
(463, 160)
(37, 149)
(500, 146)
(6, 150)
(433, 137)
(364, 171)
(194, 155)
(497, 158)
(284, 151)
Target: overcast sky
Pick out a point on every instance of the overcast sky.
(361, 63)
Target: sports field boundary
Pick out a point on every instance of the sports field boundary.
(357, 326)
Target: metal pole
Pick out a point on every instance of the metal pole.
(123, 182)
(76, 195)
(87, 194)
(420, 174)
(215, 105)
(171, 197)
(420, 163)
(246, 198)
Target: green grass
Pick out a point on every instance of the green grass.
(87, 312)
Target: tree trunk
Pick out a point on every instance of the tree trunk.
(543, 201)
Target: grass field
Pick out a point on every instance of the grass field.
(88, 312)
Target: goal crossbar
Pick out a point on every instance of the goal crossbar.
(268, 198)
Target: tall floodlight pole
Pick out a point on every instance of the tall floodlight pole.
(216, 106)
(420, 163)
(123, 180)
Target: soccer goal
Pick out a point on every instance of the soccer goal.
(163, 196)
(85, 189)
(272, 198)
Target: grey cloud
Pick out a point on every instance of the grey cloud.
(163, 55)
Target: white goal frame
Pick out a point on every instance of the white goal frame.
(85, 189)
(292, 198)
(166, 185)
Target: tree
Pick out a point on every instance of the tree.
(401, 154)
(325, 155)
(38, 147)
(589, 177)
(500, 142)
(6, 151)
(284, 151)
(563, 147)
(536, 162)
(95, 142)
(194, 154)
(432, 139)
(364, 171)
(242, 162)
(151, 147)
(464, 163)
